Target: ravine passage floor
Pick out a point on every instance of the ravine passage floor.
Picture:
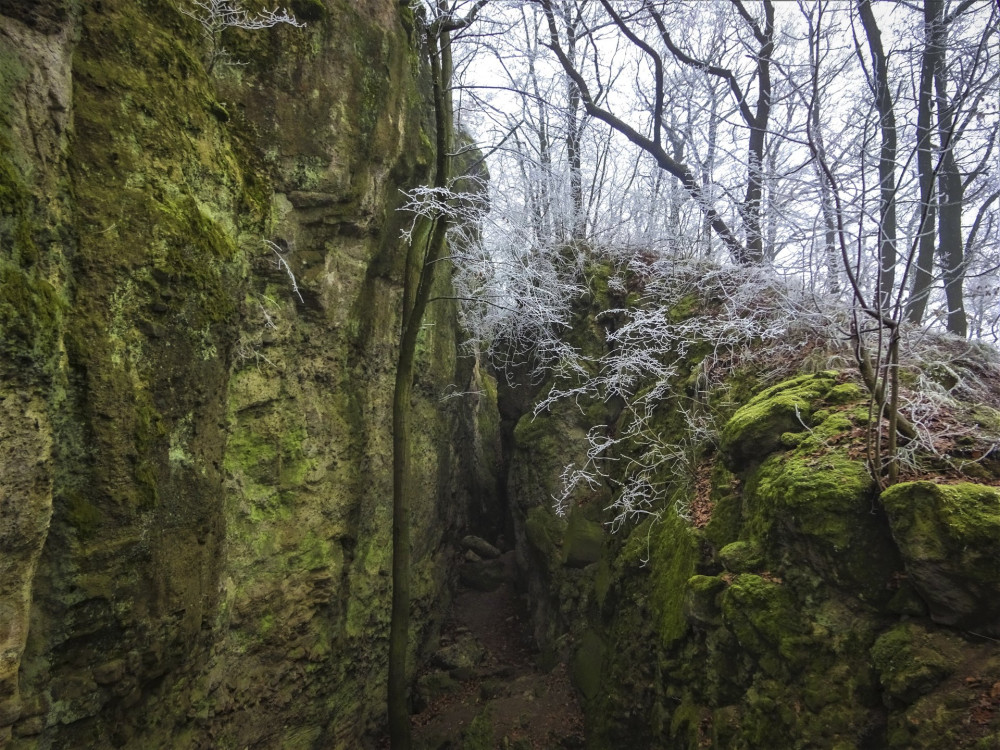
(484, 689)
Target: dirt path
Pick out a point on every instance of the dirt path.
(483, 690)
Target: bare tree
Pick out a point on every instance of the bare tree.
(956, 51)
(651, 140)
(827, 140)
(425, 248)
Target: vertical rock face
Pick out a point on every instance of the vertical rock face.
(194, 449)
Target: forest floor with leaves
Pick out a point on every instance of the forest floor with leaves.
(484, 688)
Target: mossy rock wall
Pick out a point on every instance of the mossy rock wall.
(806, 613)
(195, 473)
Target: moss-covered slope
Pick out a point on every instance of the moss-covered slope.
(797, 608)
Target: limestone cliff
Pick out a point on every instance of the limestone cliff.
(194, 473)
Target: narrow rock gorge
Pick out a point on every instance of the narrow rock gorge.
(200, 293)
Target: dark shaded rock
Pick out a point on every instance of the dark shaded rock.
(481, 547)
(45, 16)
(485, 575)
(431, 686)
(701, 600)
(583, 541)
(907, 601)
(306, 199)
(588, 661)
(912, 660)
(493, 689)
(463, 674)
(465, 653)
(949, 537)
(111, 672)
(29, 727)
(544, 532)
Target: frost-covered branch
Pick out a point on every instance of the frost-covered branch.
(215, 16)
(516, 297)
(282, 263)
(722, 318)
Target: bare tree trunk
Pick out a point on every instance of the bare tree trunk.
(756, 120)
(930, 60)
(831, 258)
(543, 208)
(887, 157)
(417, 282)
(758, 132)
(708, 171)
(951, 197)
(675, 195)
(574, 133)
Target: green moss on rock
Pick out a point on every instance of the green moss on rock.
(31, 312)
(727, 506)
(479, 735)
(544, 531)
(912, 660)
(764, 617)
(702, 600)
(587, 665)
(741, 557)
(814, 495)
(670, 550)
(960, 712)
(814, 502)
(949, 537)
(755, 430)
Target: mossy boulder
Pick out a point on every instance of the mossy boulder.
(912, 660)
(480, 547)
(756, 429)
(464, 654)
(949, 538)
(483, 575)
(814, 502)
(741, 557)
